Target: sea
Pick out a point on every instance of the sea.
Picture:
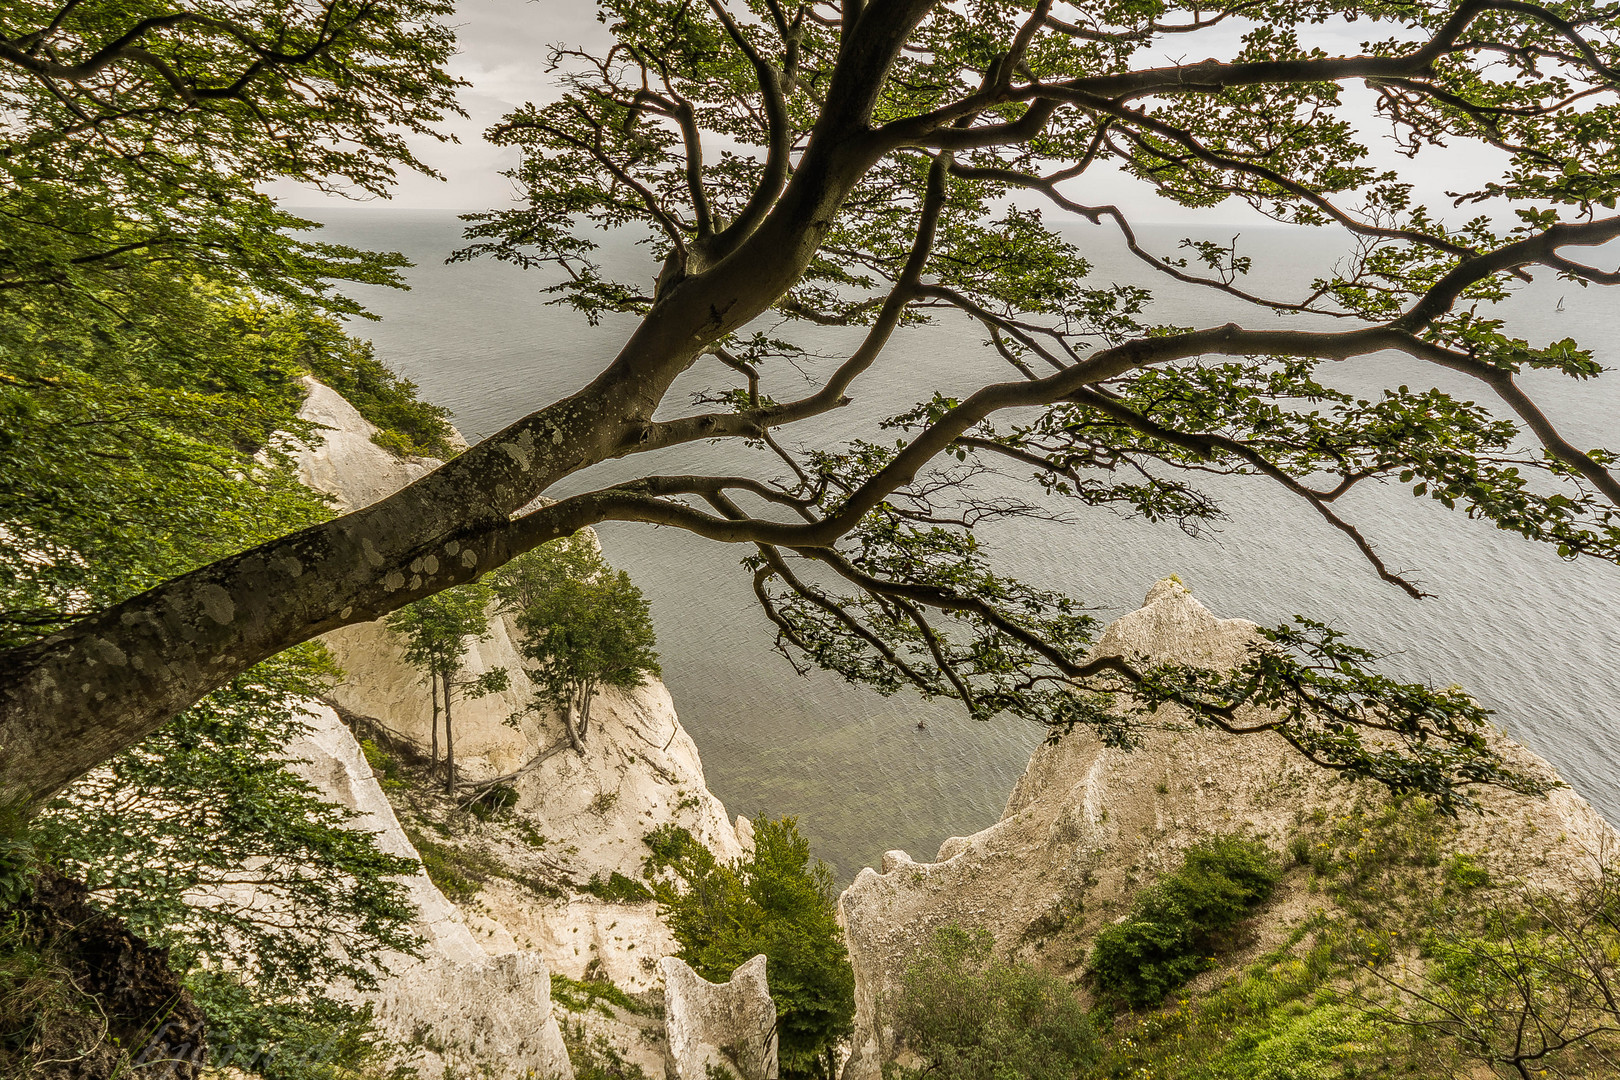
(1533, 636)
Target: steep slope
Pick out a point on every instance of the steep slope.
(1086, 825)
(456, 1007)
(551, 897)
(641, 767)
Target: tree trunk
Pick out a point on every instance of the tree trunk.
(449, 745)
(433, 688)
(72, 700)
(575, 739)
(586, 696)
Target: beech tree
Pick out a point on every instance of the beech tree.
(873, 163)
(583, 625)
(436, 631)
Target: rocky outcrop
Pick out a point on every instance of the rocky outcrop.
(729, 1027)
(456, 1006)
(1086, 824)
(585, 814)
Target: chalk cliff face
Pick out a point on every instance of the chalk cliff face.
(641, 768)
(727, 1027)
(485, 991)
(1086, 824)
(457, 1006)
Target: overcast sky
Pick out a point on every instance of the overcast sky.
(502, 52)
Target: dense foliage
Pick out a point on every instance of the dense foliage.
(205, 809)
(582, 624)
(138, 133)
(778, 901)
(972, 1015)
(1174, 928)
(158, 313)
(323, 1039)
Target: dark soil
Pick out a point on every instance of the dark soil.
(116, 1007)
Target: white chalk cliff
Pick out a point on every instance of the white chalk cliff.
(729, 1027)
(641, 767)
(457, 1006)
(1086, 824)
(640, 770)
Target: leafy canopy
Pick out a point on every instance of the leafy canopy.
(137, 133)
(583, 624)
(814, 178)
(437, 630)
(991, 117)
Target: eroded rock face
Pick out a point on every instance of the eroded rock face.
(729, 1026)
(1086, 824)
(329, 758)
(641, 769)
(581, 937)
(457, 1006)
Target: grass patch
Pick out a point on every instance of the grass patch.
(383, 764)
(459, 874)
(1292, 1015)
(42, 1013)
(593, 1057)
(582, 996)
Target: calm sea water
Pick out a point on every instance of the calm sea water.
(1535, 637)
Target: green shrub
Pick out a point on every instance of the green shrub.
(1174, 928)
(312, 1039)
(777, 901)
(618, 888)
(972, 1016)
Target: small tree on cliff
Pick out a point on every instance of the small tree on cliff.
(436, 631)
(777, 900)
(583, 625)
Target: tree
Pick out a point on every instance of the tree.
(970, 1015)
(883, 165)
(583, 626)
(436, 631)
(776, 901)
